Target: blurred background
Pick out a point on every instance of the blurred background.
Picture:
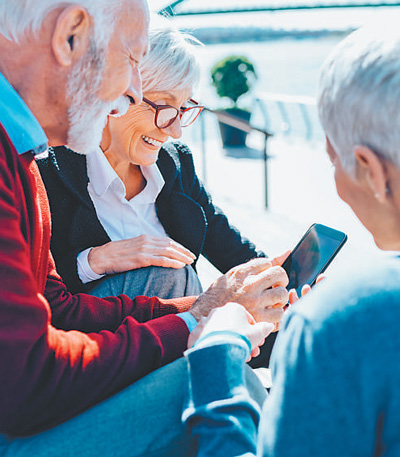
(273, 202)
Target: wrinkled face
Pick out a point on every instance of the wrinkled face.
(127, 46)
(105, 80)
(135, 135)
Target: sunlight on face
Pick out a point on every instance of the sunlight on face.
(135, 137)
(88, 114)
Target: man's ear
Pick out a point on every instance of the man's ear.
(371, 171)
(71, 35)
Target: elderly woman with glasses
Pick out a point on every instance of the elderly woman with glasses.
(132, 216)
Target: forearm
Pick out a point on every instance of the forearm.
(90, 314)
(49, 375)
(219, 411)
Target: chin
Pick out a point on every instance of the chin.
(147, 163)
(147, 158)
(387, 245)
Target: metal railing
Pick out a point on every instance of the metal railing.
(174, 8)
(289, 113)
(274, 114)
(242, 125)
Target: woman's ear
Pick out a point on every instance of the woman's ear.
(70, 38)
(106, 138)
(371, 171)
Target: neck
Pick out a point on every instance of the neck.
(129, 173)
(28, 68)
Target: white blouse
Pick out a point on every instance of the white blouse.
(121, 219)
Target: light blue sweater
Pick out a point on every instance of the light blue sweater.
(336, 373)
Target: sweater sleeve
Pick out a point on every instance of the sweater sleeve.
(224, 246)
(90, 314)
(219, 412)
(49, 375)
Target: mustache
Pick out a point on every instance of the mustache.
(120, 106)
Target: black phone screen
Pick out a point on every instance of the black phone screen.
(312, 255)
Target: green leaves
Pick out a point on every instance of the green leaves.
(233, 76)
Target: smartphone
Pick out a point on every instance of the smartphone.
(312, 255)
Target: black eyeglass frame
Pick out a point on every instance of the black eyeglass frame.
(179, 112)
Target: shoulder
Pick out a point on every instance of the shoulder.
(358, 308)
(62, 160)
(8, 157)
(368, 284)
(176, 154)
(176, 150)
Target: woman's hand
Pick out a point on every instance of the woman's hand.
(235, 318)
(293, 297)
(139, 252)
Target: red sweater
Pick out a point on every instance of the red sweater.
(62, 353)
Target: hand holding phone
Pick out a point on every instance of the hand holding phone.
(312, 255)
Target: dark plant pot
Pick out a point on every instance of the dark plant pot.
(231, 136)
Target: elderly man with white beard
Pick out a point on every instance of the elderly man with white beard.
(65, 65)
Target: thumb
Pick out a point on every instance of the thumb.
(280, 259)
(265, 328)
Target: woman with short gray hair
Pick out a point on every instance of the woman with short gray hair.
(132, 216)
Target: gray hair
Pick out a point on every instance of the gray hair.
(359, 95)
(20, 17)
(170, 63)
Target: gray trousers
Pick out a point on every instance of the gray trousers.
(150, 281)
(142, 420)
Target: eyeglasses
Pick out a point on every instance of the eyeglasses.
(167, 114)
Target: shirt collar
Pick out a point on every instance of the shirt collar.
(155, 182)
(19, 122)
(101, 175)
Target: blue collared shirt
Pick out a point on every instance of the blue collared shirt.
(20, 124)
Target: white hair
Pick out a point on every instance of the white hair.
(87, 114)
(21, 17)
(359, 94)
(171, 62)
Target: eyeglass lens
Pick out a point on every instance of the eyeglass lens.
(190, 115)
(165, 116)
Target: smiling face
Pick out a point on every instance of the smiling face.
(134, 137)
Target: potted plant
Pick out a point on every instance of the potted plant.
(233, 77)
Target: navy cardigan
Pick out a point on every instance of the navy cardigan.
(184, 208)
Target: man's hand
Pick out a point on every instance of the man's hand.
(259, 285)
(235, 318)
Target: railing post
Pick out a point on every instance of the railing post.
(265, 157)
(203, 148)
(245, 126)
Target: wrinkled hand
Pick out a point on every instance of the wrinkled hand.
(139, 252)
(293, 297)
(235, 318)
(259, 285)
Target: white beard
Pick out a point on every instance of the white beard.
(87, 114)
